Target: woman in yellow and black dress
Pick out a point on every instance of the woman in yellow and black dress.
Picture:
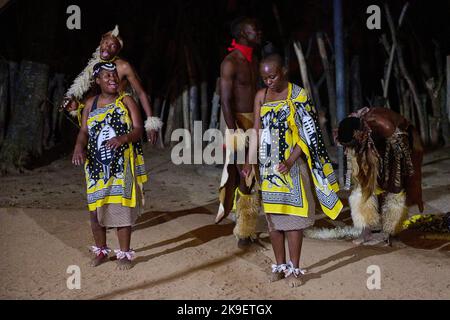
(292, 161)
(108, 145)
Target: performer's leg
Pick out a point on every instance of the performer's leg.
(394, 212)
(99, 233)
(124, 236)
(277, 240)
(295, 241)
(364, 213)
(247, 210)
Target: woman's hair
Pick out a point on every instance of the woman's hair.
(346, 130)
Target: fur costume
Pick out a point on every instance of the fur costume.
(247, 211)
(153, 123)
(388, 168)
(394, 212)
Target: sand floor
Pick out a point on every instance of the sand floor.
(182, 254)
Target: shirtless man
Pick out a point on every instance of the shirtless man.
(238, 85)
(110, 46)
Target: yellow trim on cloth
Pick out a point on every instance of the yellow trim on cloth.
(115, 182)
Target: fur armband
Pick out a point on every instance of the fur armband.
(153, 123)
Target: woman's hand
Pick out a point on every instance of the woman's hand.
(115, 142)
(79, 156)
(285, 166)
(152, 136)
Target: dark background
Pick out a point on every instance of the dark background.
(36, 30)
(157, 35)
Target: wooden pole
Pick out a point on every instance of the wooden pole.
(329, 78)
(303, 68)
(340, 76)
(185, 100)
(215, 111)
(409, 80)
(170, 121)
(391, 57)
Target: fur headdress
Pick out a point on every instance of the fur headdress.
(115, 33)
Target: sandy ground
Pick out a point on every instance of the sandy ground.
(181, 254)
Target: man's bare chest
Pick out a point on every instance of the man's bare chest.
(246, 75)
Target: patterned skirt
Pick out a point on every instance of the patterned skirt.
(286, 222)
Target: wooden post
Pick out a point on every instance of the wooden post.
(186, 123)
(340, 76)
(329, 77)
(170, 122)
(409, 80)
(391, 57)
(303, 68)
(215, 111)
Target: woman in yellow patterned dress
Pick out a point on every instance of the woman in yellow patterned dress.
(292, 161)
(108, 144)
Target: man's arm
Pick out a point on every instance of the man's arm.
(152, 124)
(132, 77)
(227, 78)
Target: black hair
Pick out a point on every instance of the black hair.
(347, 128)
(237, 25)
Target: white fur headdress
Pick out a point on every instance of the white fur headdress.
(115, 33)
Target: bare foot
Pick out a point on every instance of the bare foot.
(98, 260)
(293, 281)
(276, 276)
(124, 264)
